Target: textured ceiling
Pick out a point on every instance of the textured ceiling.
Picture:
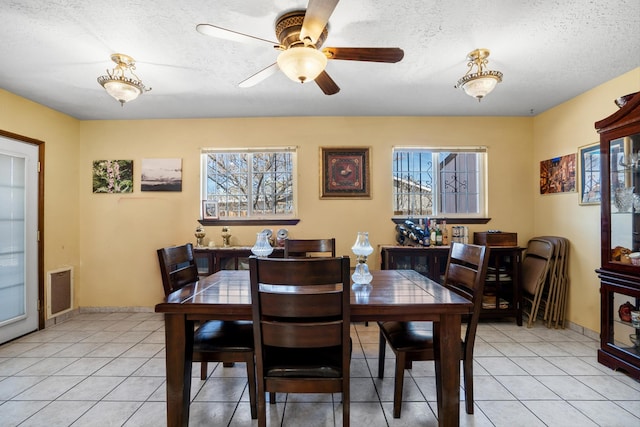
(548, 50)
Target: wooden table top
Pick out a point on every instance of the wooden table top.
(392, 295)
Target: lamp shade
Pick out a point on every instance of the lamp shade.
(302, 64)
(121, 90)
(479, 86)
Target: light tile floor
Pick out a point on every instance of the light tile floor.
(107, 369)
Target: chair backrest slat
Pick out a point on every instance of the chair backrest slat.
(301, 248)
(302, 335)
(177, 267)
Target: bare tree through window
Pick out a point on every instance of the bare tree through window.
(250, 183)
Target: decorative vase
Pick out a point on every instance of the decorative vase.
(262, 247)
(623, 199)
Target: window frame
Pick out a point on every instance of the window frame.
(272, 219)
(481, 217)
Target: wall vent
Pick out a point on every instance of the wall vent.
(59, 291)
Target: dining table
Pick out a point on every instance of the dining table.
(402, 295)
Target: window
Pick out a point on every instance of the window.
(250, 183)
(439, 182)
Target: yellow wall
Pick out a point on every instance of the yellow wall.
(560, 131)
(120, 233)
(61, 136)
(111, 239)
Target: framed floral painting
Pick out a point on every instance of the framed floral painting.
(113, 176)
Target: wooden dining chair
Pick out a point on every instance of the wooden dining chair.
(301, 321)
(301, 248)
(214, 340)
(414, 341)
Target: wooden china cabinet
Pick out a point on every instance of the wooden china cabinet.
(620, 236)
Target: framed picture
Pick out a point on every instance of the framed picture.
(558, 175)
(589, 174)
(345, 173)
(161, 175)
(112, 176)
(209, 209)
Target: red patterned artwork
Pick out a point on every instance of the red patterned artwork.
(345, 172)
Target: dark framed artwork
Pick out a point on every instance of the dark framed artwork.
(558, 175)
(345, 173)
(589, 174)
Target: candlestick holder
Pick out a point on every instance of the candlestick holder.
(200, 233)
(362, 249)
(226, 236)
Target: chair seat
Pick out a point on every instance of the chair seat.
(217, 335)
(408, 336)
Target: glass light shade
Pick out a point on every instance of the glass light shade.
(262, 247)
(480, 85)
(362, 247)
(302, 64)
(122, 90)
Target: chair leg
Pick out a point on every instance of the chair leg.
(401, 359)
(203, 370)
(346, 408)
(382, 345)
(272, 397)
(467, 367)
(251, 376)
(262, 405)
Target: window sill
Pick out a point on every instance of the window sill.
(231, 222)
(401, 220)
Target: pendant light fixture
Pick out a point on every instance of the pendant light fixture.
(480, 83)
(121, 82)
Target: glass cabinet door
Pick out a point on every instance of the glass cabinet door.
(624, 179)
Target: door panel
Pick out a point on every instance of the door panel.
(18, 238)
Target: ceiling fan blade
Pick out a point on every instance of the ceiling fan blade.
(223, 33)
(260, 76)
(316, 18)
(371, 54)
(326, 83)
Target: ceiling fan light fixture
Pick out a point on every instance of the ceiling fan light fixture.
(480, 83)
(118, 84)
(302, 64)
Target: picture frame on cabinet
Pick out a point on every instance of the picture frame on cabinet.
(589, 174)
(345, 173)
(209, 209)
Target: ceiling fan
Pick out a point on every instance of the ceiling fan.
(301, 33)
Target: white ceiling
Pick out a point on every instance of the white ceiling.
(549, 51)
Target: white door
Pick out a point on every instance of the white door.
(18, 238)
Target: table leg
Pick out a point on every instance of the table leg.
(447, 349)
(179, 355)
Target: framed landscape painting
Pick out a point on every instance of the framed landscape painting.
(344, 173)
(161, 175)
